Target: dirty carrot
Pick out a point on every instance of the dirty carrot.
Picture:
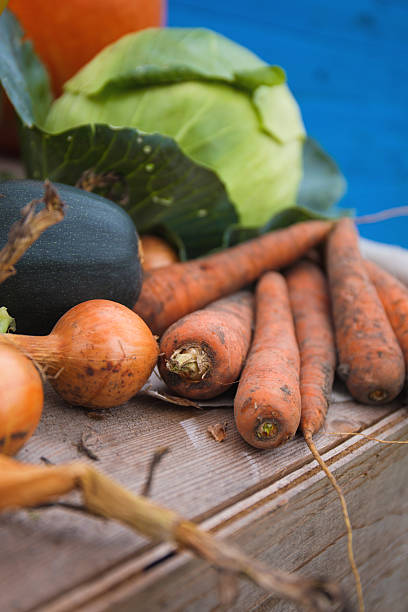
(202, 354)
(309, 298)
(267, 403)
(171, 292)
(21, 399)
(99, 354)
(394, 297)
(371, 362)
(310, 303)
(23, 485)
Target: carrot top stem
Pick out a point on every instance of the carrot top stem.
(309, 441)
(190, 361)
(266, 430)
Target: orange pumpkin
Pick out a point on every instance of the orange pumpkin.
(67, 34)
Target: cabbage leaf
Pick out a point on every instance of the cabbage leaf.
(205, 139)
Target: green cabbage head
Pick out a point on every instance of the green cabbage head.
(227, 109)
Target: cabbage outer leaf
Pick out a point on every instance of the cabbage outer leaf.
(226, 109)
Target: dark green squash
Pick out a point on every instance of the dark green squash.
(92, 253)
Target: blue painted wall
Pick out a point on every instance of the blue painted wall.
(347, 64)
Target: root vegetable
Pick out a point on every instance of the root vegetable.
(371, 362)
(309, 297)
(202, 354)
(170, 293)
(310, 303)
(267, 403)
(21, 399)
(156, 252)
(394, 297)
(99, 354)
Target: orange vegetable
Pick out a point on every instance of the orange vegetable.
(156, 252)
(21, 399)
(99, 354)
(202, 354)
(66, 35)
(267, 403)
(170, 293)
(394, 297)
(371, 361)
(309, 298)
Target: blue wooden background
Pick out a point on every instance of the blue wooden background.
(347, 65)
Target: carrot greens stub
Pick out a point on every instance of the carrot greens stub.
(190, 361)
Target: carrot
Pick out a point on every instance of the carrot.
(156, 252)
(99, 354)
(309, 298)
(172, 292)
(267, 403)
(371, 361)
(202, 354)
(21, 399)
(394, 297)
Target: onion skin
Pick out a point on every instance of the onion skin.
(98, 355)
(21, 399)
(156, 252)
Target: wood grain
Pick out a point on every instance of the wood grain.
(58, 552)
(294, 523)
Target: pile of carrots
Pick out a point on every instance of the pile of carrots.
(283, 343)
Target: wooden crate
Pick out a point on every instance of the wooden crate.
(276, 505)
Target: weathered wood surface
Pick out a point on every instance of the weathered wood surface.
(49, 553)
(297, 520)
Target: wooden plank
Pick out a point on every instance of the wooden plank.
(296, 524)
(58, 551)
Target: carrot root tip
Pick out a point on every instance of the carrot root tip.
(379, 395)
(191, 362)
